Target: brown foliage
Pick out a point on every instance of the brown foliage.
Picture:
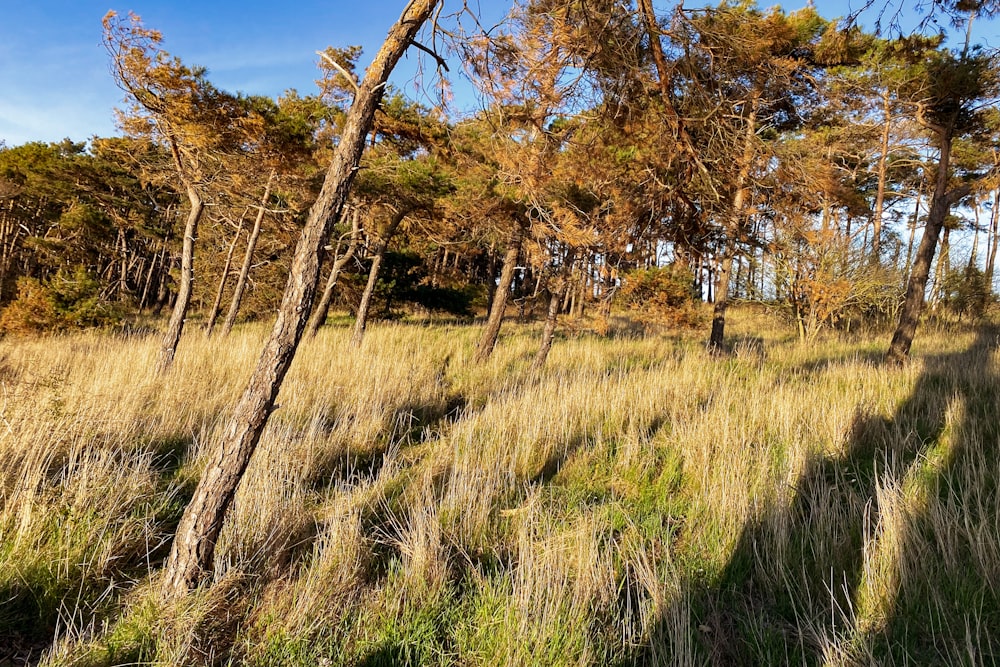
(663, 296)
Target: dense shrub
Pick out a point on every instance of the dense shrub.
(452, 300)
(967, 292)
(67, 301)
(405, 282)
(663, 296)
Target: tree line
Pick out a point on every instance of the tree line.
(742, 153)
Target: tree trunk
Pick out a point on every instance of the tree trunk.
(555, 300)
(552, 316)
(491, 278)
(488, 339)
(734, 227)
(882, 172)
(581, 297)
(176, 325)
(241, 281)
(941, 269)
(339, 262)
(361, 321)
(738, 288)
(709, 281)
(192, 554)
(699, 279)
(721, 301)
(941, 202)
(216, 305)
(913, 231)
(975, 238)
(674, 120)
(10, 232)
(162, 288)
(123, 267)
(994, 238)
(443, 266)
(762, 275)
(157, 260)
(752, 266)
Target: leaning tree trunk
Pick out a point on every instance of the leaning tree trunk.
(973, 254)
(176, 325)
(488, 339)
(942, 268)
(675, 122)
(361, 321)
(241, 281)
(323, 309)
(549, 332)
(941, 202)
(552, 317)
(193, 550)
(213, 315)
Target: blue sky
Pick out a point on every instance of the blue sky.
(54, 79)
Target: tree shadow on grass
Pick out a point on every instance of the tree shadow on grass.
(943, 605)
(45, 595)
(806, 583)
(411, 423)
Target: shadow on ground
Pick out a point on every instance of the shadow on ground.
(45, 595)
(795, 590)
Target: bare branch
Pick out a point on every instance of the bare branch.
(340, 68)
(440, 61)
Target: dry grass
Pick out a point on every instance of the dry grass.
(637, 502)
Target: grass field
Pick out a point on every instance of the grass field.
(637, 502)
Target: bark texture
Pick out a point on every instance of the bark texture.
(193, 550)
(994, 237)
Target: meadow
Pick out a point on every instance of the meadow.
(637, 501)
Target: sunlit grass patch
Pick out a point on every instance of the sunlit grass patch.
(638, 500)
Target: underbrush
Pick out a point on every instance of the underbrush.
(639, 501)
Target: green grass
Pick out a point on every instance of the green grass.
(637, 502)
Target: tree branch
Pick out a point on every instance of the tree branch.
(347, 75)
(440, 61)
